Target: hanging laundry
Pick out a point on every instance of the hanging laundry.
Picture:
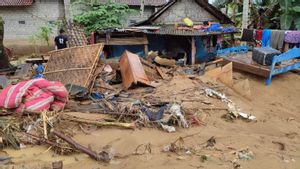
(258, 35)
(277, 39)
(248, 35)
(266, 35)
(292, 37)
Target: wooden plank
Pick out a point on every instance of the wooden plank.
(224, 74)
(250, 68)
(161, 73)
(124, 41)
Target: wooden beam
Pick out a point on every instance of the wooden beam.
(193, 50)
(250, 68)
(124, 41)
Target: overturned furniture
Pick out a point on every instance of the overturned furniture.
(132, 70)
(282, 63)
(73, 65)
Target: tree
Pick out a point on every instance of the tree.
(290, 17)
(4, 62)
(104, 16)
(284, 14)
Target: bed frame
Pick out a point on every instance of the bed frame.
(242, 60)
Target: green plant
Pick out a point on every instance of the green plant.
(290, 16)
(42, 36)
(103, 16)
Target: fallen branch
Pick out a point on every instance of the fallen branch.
(99, 123)
(79, 147)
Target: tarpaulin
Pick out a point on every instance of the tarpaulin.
(34, 95)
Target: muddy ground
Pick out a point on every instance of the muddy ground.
(274, 139)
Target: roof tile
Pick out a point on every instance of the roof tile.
(16, 2)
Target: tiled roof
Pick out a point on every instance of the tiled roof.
(138, 2)
(16, 2)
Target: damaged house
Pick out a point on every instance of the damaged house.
(166, 32)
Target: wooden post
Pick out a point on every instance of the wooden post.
(146, 48)
(193, 50)
(232, 39)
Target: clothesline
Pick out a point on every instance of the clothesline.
(271, 37)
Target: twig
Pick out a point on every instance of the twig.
(44, 124)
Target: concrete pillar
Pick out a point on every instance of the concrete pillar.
(67, 6)
(245, 14)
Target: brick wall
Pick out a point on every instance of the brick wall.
(22, 22)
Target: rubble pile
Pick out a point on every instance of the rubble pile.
(134, 94)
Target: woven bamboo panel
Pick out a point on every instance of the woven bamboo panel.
(76, 35)
(73, 65)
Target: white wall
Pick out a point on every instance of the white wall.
(36, 15)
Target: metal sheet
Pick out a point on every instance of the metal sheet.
(132, 70)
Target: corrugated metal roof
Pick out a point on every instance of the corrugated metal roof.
(176, 32)
(138, 2)
(16, 2)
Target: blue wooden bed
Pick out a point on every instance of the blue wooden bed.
(242, 60)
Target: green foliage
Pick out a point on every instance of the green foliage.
(42, 35)
(276, 13)
(290, 14)
(108, 15)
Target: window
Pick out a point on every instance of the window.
(22, 22)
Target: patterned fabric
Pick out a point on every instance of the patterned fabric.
(34, 95)
(16, 2)
(292, 37)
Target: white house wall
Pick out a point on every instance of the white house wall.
(188, 8)
(40, 13)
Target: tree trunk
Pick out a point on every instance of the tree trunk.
(4, 63)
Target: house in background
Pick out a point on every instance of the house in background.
(23, 17)
(150, 6)
(165, 32)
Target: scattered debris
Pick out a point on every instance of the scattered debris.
(132, 70)
(281, 145)
(234, 112)
(73, 65)
(164, 61)
(245, 155)
(211, 142)
(203, 158)
(81, 148)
